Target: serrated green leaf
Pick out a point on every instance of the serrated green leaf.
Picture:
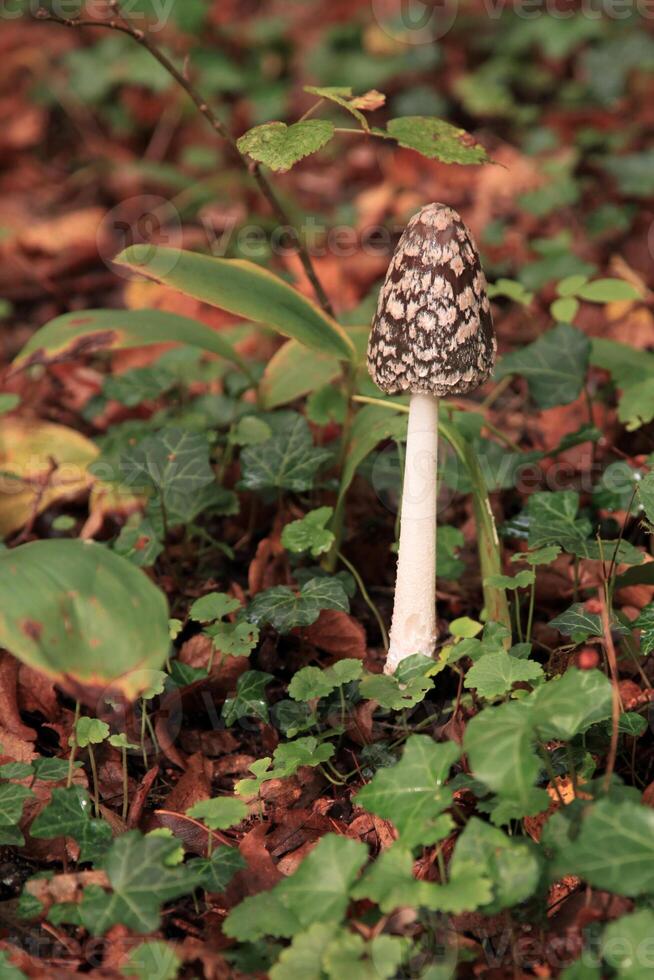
(567, 706)
(216, 872)
(521, 580)
(90, 731)
(279, 146)
(310, 533)
(553, 519)
(645, 623)
(513, 865)
(436, 139)
(219, 813)
(348, 954)
(495, 674)
(314, 682)
(285, 609)
(286, 760)
(555, 365)
(304, 957)
(215, 605)
(413, 793)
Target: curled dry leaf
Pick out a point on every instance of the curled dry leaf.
(8, 698)
(338, 633)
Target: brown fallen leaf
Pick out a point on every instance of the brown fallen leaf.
(9, 712)
(192, 786)
(64, 887)
(339, 634)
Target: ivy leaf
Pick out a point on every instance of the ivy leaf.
(68, 814)
(553, 518)
(645, 623)
(622, 942)
(513, 865)
(233, 639)
(412, 793)
(12, 800)
(141, 879)
(577, 623)
(312, 682)
(287, 461)
(391, 694)
(174, 464)
(495, 674)
(216, 872)
(436, 139)
(279, 146)
(90, 731)
(498, 742)
(555, 365)
(569, 705)
(219, 813)
(52, 770)
(250, 700)
(389, 882)
(16, 770)
(309, 533)
(153, 960)
(285, 609)
(317, 892)
(612, 849)
(646, 495)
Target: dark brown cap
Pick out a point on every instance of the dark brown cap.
(433, 330)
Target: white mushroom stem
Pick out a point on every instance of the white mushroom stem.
(413, 629)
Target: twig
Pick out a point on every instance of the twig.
(122, 25)
(616, 706)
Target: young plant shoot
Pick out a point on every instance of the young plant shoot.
(432, 336)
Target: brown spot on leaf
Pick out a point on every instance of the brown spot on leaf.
(32, 628)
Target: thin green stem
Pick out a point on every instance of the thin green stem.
(96, 785)
(125, 809)
(366, 597)
(532, 606)
(144, 714)
(73, 747)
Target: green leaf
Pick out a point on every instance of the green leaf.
(512, 864)
(553, 518)
(555, 365)
(389, 882)
(250, 431)
(16, 770)
(646, 495)
(564, 310)
(250, 700)
(216, 872)
(7, 969)
(62, 600)
(174, 464)
(304, 957)
(90, 731)
(312, 682)
(578, 624)
(215, 605)
(608, 291)
(279, 146)
(246, 289)
(372, 425)
(285, 609)
(325, 405)
(349, 955)
(613, 849)
(569, 705)
(317, 892)
(141, 879)
(342, 96)
(645, 623)
(436, 139)
(498, 742)
(79, 333)
(520, 581)
(287, 759)
(153, 960)
(68, 814)
(309, 533)
(412, 793)
(465, 628)
(233, 639)
(626, 945)
(290, 374)
(220, 813)
(495, 674)
(543, 556)
(287, 461)
(12, 800)
(448, 542)
(571, 285)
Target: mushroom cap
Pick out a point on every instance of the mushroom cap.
(433, 330)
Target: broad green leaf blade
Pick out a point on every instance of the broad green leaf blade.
(645, 623)
(569, 705)
(498, 742)
(291, 373)
(371, 426)
(613, 849)
(85, 332)
(577, 623)
(279, 146)
(69, 815)
(154, 960)
(627, 943)
(62, 602)
(287, 461)
(245, 289)
(412, 793)
(437, 139)
(496, 673)
(555, 365)
(220, 813)
(608, 291)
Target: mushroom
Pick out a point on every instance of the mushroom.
(432, 335)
